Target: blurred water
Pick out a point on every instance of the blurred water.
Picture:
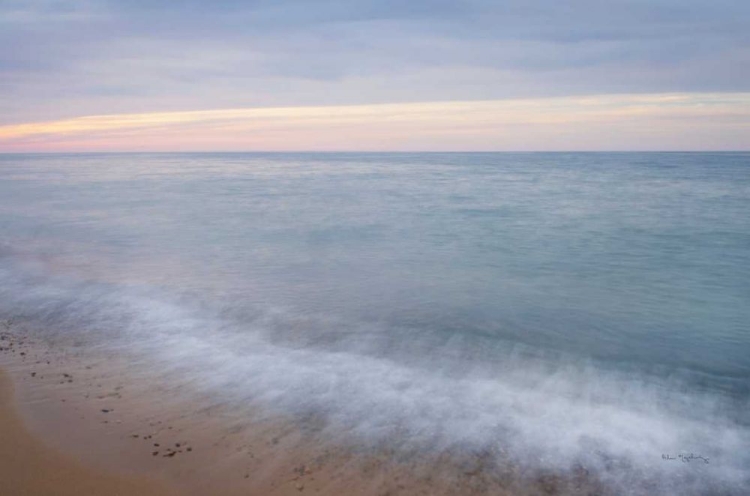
(464, 289)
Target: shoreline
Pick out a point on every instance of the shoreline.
(89, 409)
(116, 423)
(95, 410)
(112, 423)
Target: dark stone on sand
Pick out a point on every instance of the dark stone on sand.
(105, 410)
(154, 453)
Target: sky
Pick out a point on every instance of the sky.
(96, 75)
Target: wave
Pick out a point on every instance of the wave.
(411, 389)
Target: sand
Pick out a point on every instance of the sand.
(29, 467)
(82, 424)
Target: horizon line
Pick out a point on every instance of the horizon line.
(362, 152)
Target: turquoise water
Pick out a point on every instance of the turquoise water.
(581, 305)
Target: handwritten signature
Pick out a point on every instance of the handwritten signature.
(687, 458)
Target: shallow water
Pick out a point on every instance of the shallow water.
(568, 308)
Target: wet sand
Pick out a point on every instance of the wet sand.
(97, 417)
(30, 467)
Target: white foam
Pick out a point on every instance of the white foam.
(546, 413)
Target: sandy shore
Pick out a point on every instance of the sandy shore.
(30, 467)
(108, 430)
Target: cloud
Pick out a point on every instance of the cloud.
(660, 121)
(66, 58)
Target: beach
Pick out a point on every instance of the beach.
(83, 422)
(77, 426)
(30, 467)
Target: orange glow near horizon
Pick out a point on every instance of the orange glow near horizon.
(615, 122)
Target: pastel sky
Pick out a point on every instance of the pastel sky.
(78, 75)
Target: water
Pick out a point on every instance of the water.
(572, 308)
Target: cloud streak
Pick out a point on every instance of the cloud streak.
(656, 121)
